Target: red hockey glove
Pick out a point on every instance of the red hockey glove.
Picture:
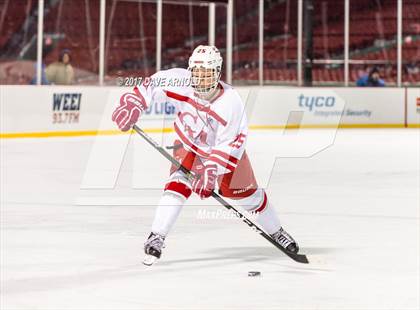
(130, 108)
(205, 181)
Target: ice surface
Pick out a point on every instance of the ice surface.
(354, 208)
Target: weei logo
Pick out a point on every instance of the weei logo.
(325, 106)
(66, 108)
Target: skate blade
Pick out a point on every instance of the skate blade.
(149, 260)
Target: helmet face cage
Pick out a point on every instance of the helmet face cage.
(204, 80)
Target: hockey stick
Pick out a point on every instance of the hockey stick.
(300, 258)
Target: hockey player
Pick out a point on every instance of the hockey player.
(211, 129)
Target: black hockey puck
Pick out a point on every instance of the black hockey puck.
(254, 273)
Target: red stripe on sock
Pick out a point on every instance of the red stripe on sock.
(263, 205)
(178, 188)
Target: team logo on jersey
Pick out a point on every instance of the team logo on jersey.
(188, 120)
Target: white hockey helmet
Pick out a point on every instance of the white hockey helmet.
(205, 65)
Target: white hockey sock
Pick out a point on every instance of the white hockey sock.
(268, 219)
(167, 212)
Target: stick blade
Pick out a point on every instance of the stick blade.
(300, 258)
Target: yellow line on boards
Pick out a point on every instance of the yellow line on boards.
(322, 126)
(48, 134)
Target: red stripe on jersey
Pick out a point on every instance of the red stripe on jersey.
(222, 163)
(217, 117)
(223, 160)
(185, 99)
(196, 105)
(186, 141)
(263, 205)
(226, 156)
(179, 188)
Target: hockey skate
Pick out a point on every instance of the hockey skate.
(153, 248)
(285, 240)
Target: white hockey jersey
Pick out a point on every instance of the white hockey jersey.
(216, 131)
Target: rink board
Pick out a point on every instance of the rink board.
(413, 107)
(31, 111)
